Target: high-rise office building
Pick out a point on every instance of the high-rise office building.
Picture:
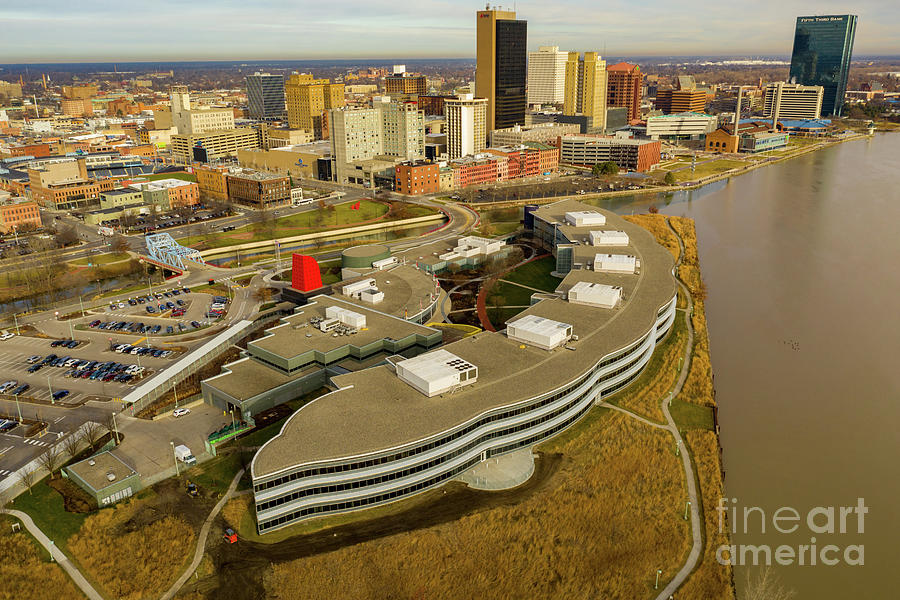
(823, 47)
(793, 101)
(547, 76)
(623, 88)
(265, 96)
(585, 92)
(466, 128)
(500, 71)
(678, 101)
(307, 100)
(196, 121)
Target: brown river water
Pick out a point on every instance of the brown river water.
(802, 265)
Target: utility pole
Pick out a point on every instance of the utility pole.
(52, 400)
(175, 456)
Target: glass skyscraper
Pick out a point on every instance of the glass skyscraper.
(822, 49)
(501, 69)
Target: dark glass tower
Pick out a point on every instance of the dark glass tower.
(265, 96)
(511, 69)
(822, 50)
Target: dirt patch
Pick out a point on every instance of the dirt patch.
(75, 499)
(239, 567)
(273, 415)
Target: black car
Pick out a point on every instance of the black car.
(195, 324)
(20, 390)
(60, 394)
(35, 368)
(71, 344)
(169, 329)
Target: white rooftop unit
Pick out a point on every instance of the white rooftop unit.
(609, 237)
(353, 289)
(436, 372)
(347, 317)
(384, 263)
(583, 218)
(615, 263)
(538, 331)
(471, 245)
(372, 296)
(595, 294)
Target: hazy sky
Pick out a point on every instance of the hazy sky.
(87, 30)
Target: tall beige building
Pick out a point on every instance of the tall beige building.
(388, 129)
(189, 120)
(586, 88)
(793, 101)
(308, 99)
(466, 124)
(547, 76)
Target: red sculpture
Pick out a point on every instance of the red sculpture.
(305, 274)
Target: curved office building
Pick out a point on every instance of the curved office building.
(394, 430)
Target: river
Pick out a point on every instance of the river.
(800, 261)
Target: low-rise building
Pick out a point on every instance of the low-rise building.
(258, 189)
(105, 477)
(211, 182)
(306, 161)
(681, 126)
(169, 193)
(213, 145)
(546, 133)
(629, 154)
(123, 197)
(65, 184)
(763, 141)
(19, 215)
(417, 177)
(679, 101)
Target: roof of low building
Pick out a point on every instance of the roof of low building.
(96, 470)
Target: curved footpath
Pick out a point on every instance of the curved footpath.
(201, 539)
(57, 554)
(670, 426)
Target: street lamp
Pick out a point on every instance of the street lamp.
(16, 321)
(115, 427)
(658, 573)
(175, 456)
(687, 507)
(52, 400)
(19, 409)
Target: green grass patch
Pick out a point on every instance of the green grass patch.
(688, 415)
(512, 294)
(101, 259)
(499, 317)
(536, 274)
(45, 506)
(216, 474)
(709, 168)
(175, 175)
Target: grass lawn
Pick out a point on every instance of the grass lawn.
(175, 175)
(501, 228)
(100, 259)
(45, 506)
(710, 168)
(501, 316)
(536, 274)
(688, 415)
(216, 474)
(302, 223)
(512, 294)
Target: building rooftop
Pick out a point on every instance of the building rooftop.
(374, 410)
(101, 470)
(407, 290)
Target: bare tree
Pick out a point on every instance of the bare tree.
(765, 586)
(110, 424)
(71, 443)
(119, 244)
(28, 477)
(92, 432)
(51, 460)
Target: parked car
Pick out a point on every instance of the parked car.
(59, 395)
(151, 310)
(169, 329)
(7, 336)
(94, 323)
(195, 324)
(33, 359)
(20, 390)
(180, 412)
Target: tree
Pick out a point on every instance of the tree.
(605, 168)
(27, 476)
(669, 179)
(263, 294)
(653, 210)
(119, 244)
(91, 432)
(765, 586)
(71, 443)
(66, 236)
(497, 302)
(51, 460)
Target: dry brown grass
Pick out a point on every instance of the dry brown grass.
(235, 510)
(710, 579)
(131, 553)
(23, 573)
(656, 224)
(599, 529)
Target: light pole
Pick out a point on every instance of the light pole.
(658, 573)
(115, 427)
(678, 448)
(71, 330)
(687, 507)
(81, 302)
(16, 321)
(175, 456)
(175, 392)
(19, 409)
(52, 401)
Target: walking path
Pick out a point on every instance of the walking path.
(201, 539)
(57, 554)
(480, 302)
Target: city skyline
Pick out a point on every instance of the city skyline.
(280, 30)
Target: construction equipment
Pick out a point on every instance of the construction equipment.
(230, 536)
(192, 490)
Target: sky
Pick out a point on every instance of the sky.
(103, 30)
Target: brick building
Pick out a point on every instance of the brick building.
(258, 189)
(19, 214)
(623, 81)
(417, 177)
(678, 101)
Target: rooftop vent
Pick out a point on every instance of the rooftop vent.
(111, 476)
(436, 372)
(538, 331)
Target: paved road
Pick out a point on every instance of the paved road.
(57, 555)
(201, 539)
